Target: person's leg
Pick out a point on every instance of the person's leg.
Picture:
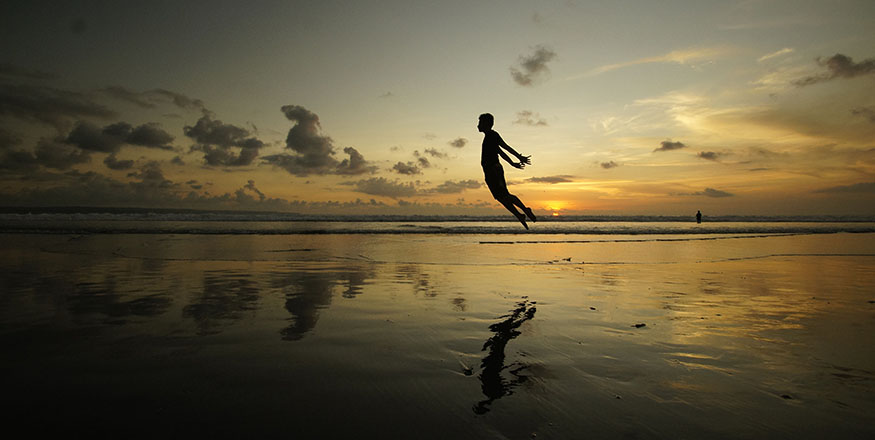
(494, 175)
(516, 201)
(508, 204)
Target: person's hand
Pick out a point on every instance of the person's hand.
(525, 159)
(517, 165)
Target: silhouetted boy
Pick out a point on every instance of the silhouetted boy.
(494, 173)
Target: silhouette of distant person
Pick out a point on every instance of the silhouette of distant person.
(698, 216)
(494, 173)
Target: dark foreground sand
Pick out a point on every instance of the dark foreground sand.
(438, 336)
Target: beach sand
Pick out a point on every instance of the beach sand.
(396, 336)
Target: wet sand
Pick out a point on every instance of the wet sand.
(439, 336)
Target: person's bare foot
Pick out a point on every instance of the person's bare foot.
(522, 219)
(530, 214)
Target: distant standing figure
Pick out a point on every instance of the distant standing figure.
(494, 173)
(698, 216)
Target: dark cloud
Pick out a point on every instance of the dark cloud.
(866, 112)
(150, 135)
(48, 105)
(455, 187)
(113, 163)
(864, 187)
(110, 138)
(435, 153)
(151, 176)
(708, 192)
(13, 71)
(608, 165)
(151, 188)
(458, 142)
(48, 154)
(532, 68)
(151, 98)
(529, 118)
(214, 132)
(51, 154)
(838, 66)
(669, 146)
(217, 156)
(217, 139)
(709, 155)
(18, 161)
(408, 168)
(551, 179)
(380, 186)
(313, 152)
(250, 185)
(356, 164)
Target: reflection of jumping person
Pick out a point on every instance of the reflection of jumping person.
(494, 173)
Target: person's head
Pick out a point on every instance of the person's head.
(486, 122)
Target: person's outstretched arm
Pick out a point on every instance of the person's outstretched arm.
(519, 164)
(522, 159)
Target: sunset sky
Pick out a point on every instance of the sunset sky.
(626, 107)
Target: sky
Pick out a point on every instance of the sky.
(753, 107)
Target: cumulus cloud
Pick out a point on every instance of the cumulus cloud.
(864, 187)
(313, 153)
(455, 187)
(112, 162)
(48, 154)
(458, 142)
(529, 118)
(708, 192)
(151, 176)
(608, 165)
(551, 179)
(49, 105)
(380, 186)
(532, 68)
(669, 146)
(110, 138)
(356, 164)
(250, 185)
(218, 142)
(709, 155)
(435, 153)
(838, 66)
(408, 168)
(51, 154)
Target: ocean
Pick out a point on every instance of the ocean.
(166, 221)
(170, 323)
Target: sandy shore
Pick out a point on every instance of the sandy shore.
(440, 336)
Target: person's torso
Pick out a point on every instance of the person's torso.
(489, 150)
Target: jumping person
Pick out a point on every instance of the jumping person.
(494, 173)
